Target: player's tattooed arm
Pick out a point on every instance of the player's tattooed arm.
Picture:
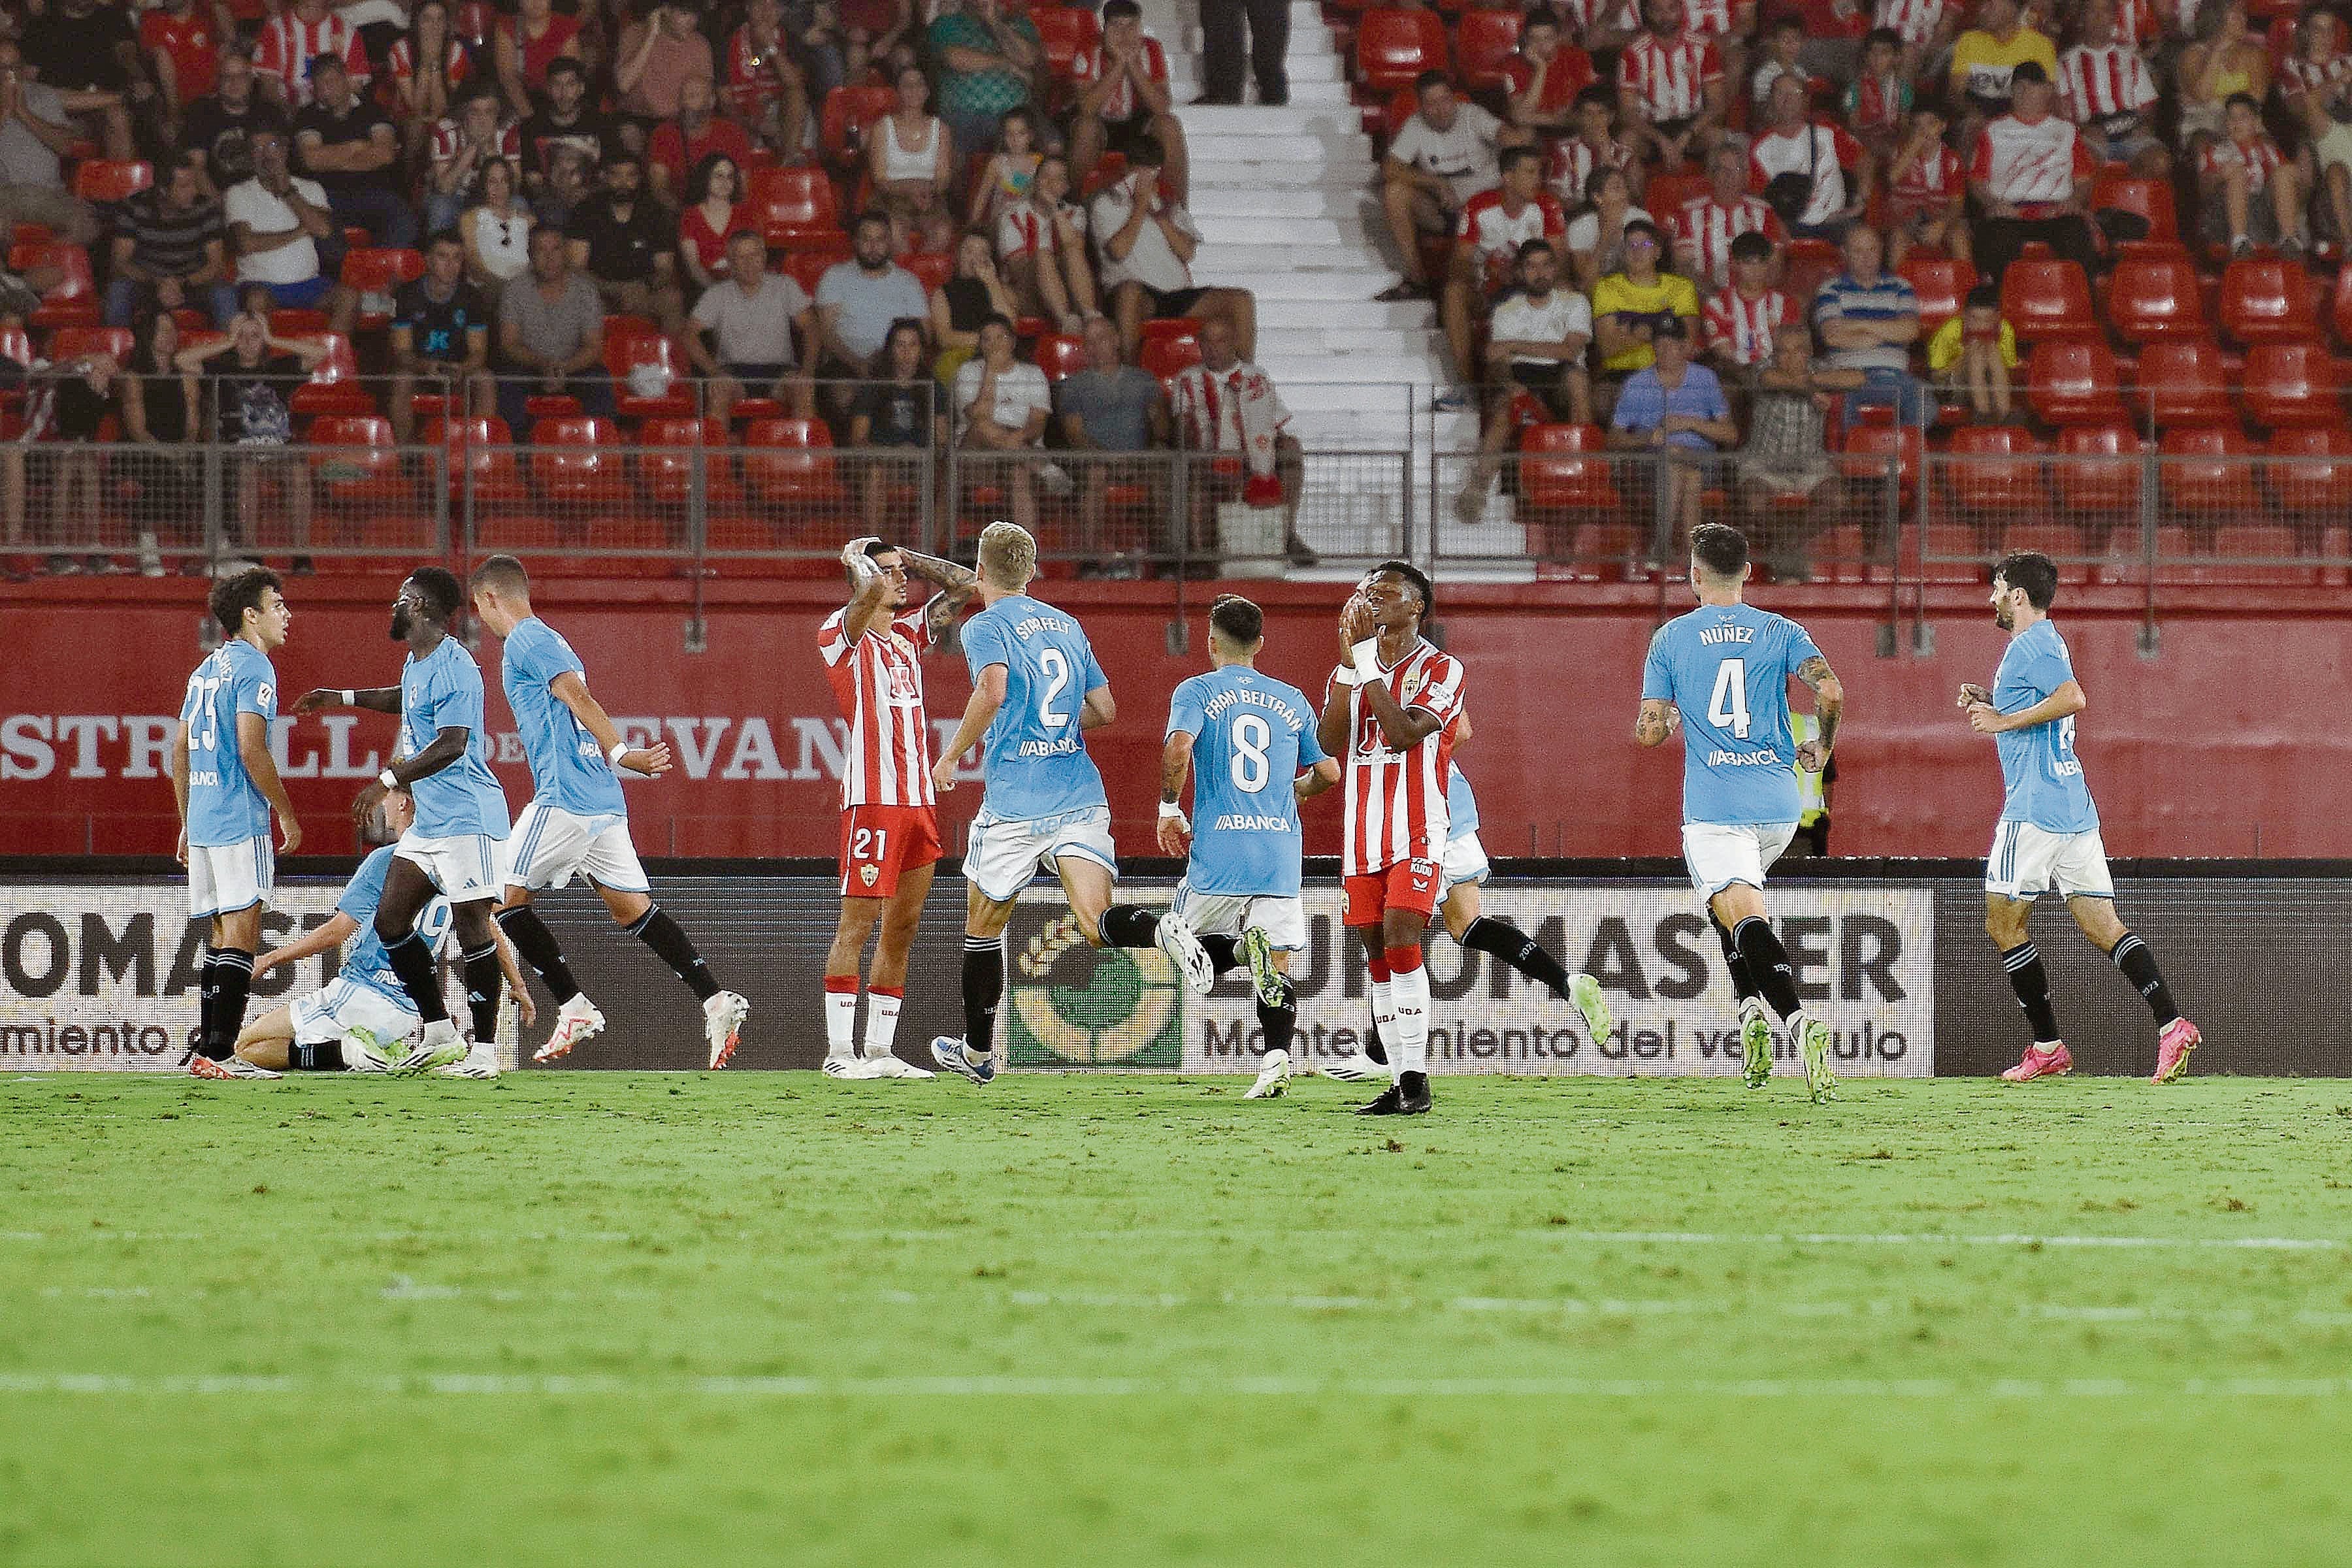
(957, 584)
(1829, 706)
(1656, 721)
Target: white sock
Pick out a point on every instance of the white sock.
(1384, 1015)
(881, 1023)
(1409, 1047)
(840, 1023)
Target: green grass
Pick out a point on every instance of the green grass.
(653, 1317)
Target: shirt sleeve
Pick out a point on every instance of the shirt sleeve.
(1712, 390)
(1310, 743)
(832, 639)
(257, 691)
(1185, 715)
(983, 645)
(362, 893)
(1441, 699)
(1801, 647)
(1639, 404)
(1657, 675)
(1095, 680)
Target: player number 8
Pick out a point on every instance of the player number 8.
(1728, 709)
(1251, 769)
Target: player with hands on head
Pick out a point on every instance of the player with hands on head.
(224, 783)
(1036, 688)
(577, 823)
(889, 822)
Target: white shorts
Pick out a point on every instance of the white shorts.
(467, 867)
(1001, 857)
(549, 846)
(346, 1008)
(1720, 854)
(1284, 920)
(1466, 861)
(225, 878)
(2028, 861)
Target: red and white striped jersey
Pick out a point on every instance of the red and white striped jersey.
(1930, 183)
(1916, 20)
(2258, 160)
(448, 136)
(402, 61)
(1570, 164)
(1707, 18)
(2297, 75)
(880, 688)
(1743, 326)
(2137, 22)
(1581, 16)
(1232, 410)
(1396, 800)
(2031, 164)
(1706, 227)
(2096, 84)
(288, 43)
(1494, 233)
(1669, 79)
(1089, 67)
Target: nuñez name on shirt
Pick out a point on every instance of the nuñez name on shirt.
(1713, 635)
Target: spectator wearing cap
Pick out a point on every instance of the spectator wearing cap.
(1534, 366)
(627, 244)
(2031, 175)
(285, 236)
(33, 132)
(681, 144)
(1443, 155)
(989, 60)
(1148, 242)
(1485, 266)
(1123, 95)
(1629, 306)
(1677, 409)
(1868, 318)
(352, 150)
(551, 334)
(1543, 80)
(749, 319)
(169, 251)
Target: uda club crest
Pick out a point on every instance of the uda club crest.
(869, 875)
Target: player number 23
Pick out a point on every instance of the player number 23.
(1728, 709)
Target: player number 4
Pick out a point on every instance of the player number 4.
(1728, 709)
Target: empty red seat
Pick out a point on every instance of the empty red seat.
(2072, 381)
(2291, 384)
(355, 461)
(2267, 300)
(2181, 381)
(379, 269)
(2340, 305)
(334, 386)
(932, 268)
(666, 463)
(481, 459)
(1805, 265)
(632, 343)
(1394, 45)
(1995, 468)
(2154, 297)
(807, 267)
(790, 460)
(108, 180)
(849, 112)
(72, 343)
(2151, 199)
(2047, 297)
(2207, 471)
(1566, 466)
(1868, 448)
(2312, 475)
(1484, 39)
(2103, 476)
(1058, 356)
(1941, 284)
(578, 463)
(72, 302)
(1066, 32)
(795, 206)
(1170, 345)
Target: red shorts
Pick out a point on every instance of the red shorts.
(878, 842)
(1412, 885)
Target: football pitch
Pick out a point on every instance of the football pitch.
(637, 1318)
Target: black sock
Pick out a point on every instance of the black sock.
(1280, 1023)
(2131, 955)
(1743, 984)
(663, 934)
(983, 987)
(1517, 949)
(482, 981)
(234, 982)
(2031, 981)
(200, 1044)
(1373, 1050)
(327, 1057)
(413, 962)
(1767, 961)
(1125, 925)
(1225, 952)
(537, 946)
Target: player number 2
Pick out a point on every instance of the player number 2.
(1251, 769)
(1057, 678)
(1728, 709)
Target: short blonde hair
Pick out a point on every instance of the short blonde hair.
(1008, 555)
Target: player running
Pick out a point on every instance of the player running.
(225, 784)
(1722, 673)
(456, 844)
(2049, 831)
(1035, 690)
(889, 817)
(355, 1021)
(577, 823)
(1392, 708)
(1248, 742)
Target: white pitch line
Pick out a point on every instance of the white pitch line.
(1933, 1238)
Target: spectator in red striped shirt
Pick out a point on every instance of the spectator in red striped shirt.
(1738, 321)
(1123, 94)
(1670, 88)
(2104, 86)
(1707, 226)
(1546, 77)
(1569, 165)
(2252, 193)
(1931, 190)
(2031, 175)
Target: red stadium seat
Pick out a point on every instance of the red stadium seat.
(1170, 345)
(805, 267)
(379, 270)
(1393, 47)
(2154, 297)
(2315, 482)
(355, 462)
(1942, 284)
(2222, 483)
(630, 342)
(2047, 298)
(666, 466)
(1483, 40)
(1805, 266)
(73, 302)
(795, 206)
(1567, 466)
(2339, 309)
(2075, 382)
(2151, 199)
(2291, 384)
(2181, 381)
(578, 465)
(2267, 300)
(335, 385)
(481, 459)
(932, 268)
(297, 322)
(105, 180)
(1067, 32)
(1997, 469)
(1400, 107)
(71, 342)
(1058, 356)
(1868, 448)
(2104, 478)
(849, 112)
(791, 461)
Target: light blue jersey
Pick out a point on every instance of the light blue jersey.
(224, 806)
(1460, 806)
(1034, 761)
(2038, 764)
(443, 690)
(367, 965)
(1252, 737)
(568, 769)
(1726, 668)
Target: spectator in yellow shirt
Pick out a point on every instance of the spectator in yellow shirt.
(1973, 353)
(1629, 305)
(1984, 56)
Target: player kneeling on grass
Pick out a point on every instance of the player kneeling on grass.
(577, 823)
(1245, 737)
(357, 1021)
(2049, 831)
(1036, 688)
(1722, 674)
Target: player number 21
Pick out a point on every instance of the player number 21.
(1728, 709)
(866, 838)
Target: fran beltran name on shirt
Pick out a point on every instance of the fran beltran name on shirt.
(1255, 699)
